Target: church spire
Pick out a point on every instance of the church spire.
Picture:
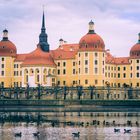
(43, 21)
(43, 37)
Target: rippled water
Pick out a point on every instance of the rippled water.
(67, 123)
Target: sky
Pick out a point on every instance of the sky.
(116, 21)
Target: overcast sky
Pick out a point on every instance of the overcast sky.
(116, 21)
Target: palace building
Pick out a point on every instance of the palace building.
(86, 63)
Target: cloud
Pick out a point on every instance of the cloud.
(117, 22)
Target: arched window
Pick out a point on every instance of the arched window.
(45, 76)
(49, 71)
(54, 71)
(37, 77)
(31, 72)
(25, 76)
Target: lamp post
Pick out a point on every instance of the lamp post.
(65, 92)
(79, 89)
(91, 91)
(27, 92)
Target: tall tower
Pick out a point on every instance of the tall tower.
(43, 37)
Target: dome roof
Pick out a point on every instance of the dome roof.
(7, 48)
(135, 50)
(91, 41)
(38, 57)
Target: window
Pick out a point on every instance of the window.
(130, 75)
(86, 81)
(103, 71)
(37, 71)
(137, 67)
(119, 84)
(96, 70)
(118, 75)
(64, 83)
(105, 67)
(53, 80)
(138, 85)
(124, 68)
(79, 71)
(20, 73)
(137, 61)
(2, 59)
(17, 65)
(2, 84)
(37, 78)
(118, 68)
(86, 54)
(96, 62)
(96, 82)
(14, 65)
(73, 82)
(74, 63)
(96, 54)
(79, 82)
(2, 73)
(124, 75)
(2, 65)
(74, 71)
(58, 72)
(131, 67)
(137, 74)
(103, 54)
(64, 64)
(64, 71)
(58, 82)
(86, 70)
(86, 62)
(114, 68)
(108, 67)
(27, 78)
(58, 64)
(79, 55)
(111, 68)
(79, 62)
(103, 62)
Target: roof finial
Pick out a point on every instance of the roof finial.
(5, 35)
(43, 18)
(91, 27)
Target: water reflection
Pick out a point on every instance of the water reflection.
(61, 125)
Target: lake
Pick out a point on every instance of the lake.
(61, 125)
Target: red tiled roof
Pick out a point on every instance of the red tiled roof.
(69, 47)
(116, 60)
(7, 48)
(38, 57)
(60, 54)
(135, 51)
(91, 42)
(122, 60)
(20, 57)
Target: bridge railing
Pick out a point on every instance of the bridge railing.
(79, 92)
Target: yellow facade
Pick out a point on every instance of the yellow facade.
(90, 65)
